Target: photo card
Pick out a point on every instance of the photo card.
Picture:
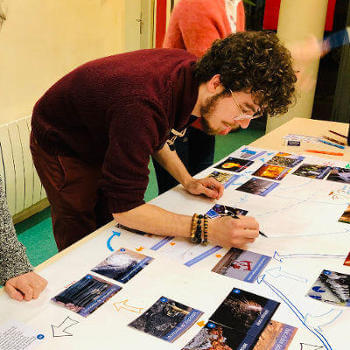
(86, 295)
(331, 287)
(245, 313)
(274, 172)
(284, 159)
(339, 175)
(216, 336)
(276, 336)
(212, 336)
(345, 217)
(224, 178)
(167, 319)
(248, 153)
(122, 265)
(347, 260)
(234, 164)
(313, 171)
(242, 265)
(257, 186)
(219, 210)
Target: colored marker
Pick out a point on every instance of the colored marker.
(331, 144)
(324, 152)
(335, 133)
(334, 140)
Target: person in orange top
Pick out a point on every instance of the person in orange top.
(193, 26)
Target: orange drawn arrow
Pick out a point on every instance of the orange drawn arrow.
(201, 323)
(123, 305)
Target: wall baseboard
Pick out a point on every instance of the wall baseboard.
(28, 212)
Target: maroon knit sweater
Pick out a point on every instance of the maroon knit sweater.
(115, 112)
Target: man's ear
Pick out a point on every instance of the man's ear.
(214, 84)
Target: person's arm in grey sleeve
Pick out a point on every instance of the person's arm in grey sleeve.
(15, 269)
(13, 258)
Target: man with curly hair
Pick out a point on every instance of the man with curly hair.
(93, 132)
(193, 26)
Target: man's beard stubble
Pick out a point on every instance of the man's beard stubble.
(206, 111)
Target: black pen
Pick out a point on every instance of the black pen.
(336, 133)
(260, 233)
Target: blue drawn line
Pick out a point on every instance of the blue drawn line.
(162, 243)
(231, 180)
(117, 234)
(297, 313)
(308, 234)
(277, 272)
(280, 258)
(326, 313)
(303, 184)
(292, 205)
(346, 188)
(247, 150)
(202, 256)
(311, 200)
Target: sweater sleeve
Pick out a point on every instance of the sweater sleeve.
(200, 22)
(13, 258)
(240, 27)
(137, 129)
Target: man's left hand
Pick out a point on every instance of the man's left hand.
(207, 186)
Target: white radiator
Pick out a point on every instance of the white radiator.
(22, 184)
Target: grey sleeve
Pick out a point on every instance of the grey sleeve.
(13, 258)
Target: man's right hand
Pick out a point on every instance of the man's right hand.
(229, 232)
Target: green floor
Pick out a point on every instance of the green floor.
(36, 232)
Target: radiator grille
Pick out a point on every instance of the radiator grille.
(22, 184)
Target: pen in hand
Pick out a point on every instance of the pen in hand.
(260, 233)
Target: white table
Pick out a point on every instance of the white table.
(303, 258)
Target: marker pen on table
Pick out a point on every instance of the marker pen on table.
(324, 152)
(331, 144)
(334, 140)
(336, 133)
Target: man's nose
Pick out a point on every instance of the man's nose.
(244, 123)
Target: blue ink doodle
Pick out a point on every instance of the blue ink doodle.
(114, 234)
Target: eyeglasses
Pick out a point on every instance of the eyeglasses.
(242, 115)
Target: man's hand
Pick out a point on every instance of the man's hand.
(207, 186)
(304, 53)
(229, 232)
(25, 287)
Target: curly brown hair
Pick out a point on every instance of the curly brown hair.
(255, 62)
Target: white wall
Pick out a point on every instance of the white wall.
(41, 40)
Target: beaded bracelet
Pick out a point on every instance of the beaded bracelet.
(198, 233)
(205, 230)
(193, 228)
(199, 229)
